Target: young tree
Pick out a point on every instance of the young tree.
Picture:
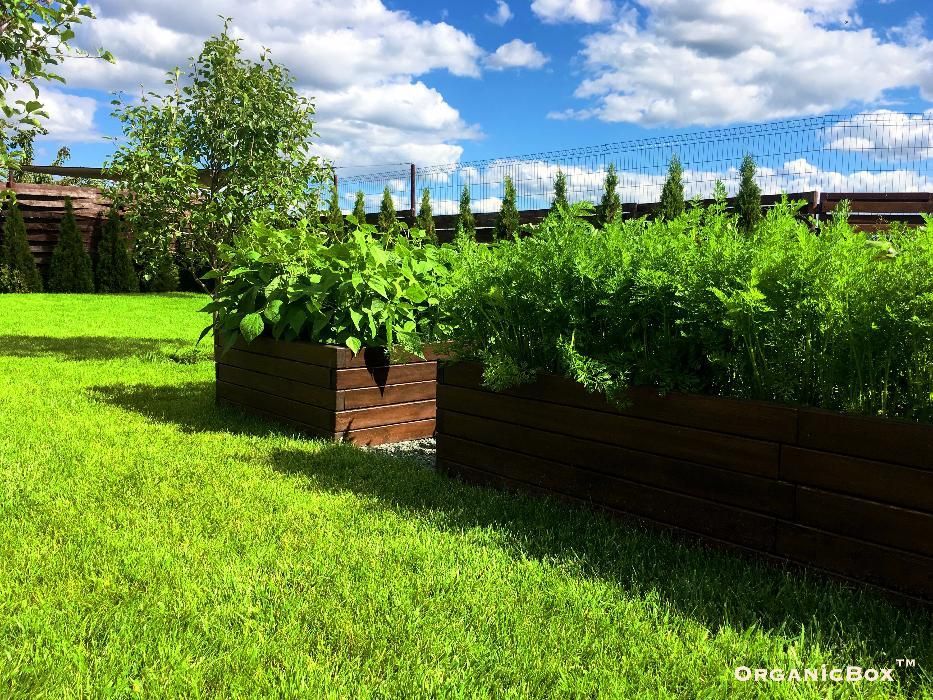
(335, 223)
(228, 145)
(508, 222)
(426, 216)
(387, 222)
(70, 269)
(34, 38)
(672, 194)
(748, 201)
(359, 208)
(113, 267)
(610, 206)
(465, 222)
(15, 256)
(560, 191)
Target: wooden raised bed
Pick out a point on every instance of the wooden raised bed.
(849, 495)
(326, 391)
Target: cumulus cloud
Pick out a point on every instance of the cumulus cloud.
(71, 118)
(516, 54)
(502, 14)
(703, 62)
(588, 11)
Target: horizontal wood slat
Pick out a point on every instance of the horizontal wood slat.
(381, 396)
(384, 376)
(276, 366)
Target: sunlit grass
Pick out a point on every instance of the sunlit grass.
(152, 544)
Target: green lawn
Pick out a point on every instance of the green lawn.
(154, 545)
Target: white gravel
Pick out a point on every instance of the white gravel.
(421, 451)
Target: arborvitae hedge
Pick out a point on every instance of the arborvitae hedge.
(466, 225)
(113, 268)
(748, 201)
(359, 208)
(335, 223)
(508, 222)
(426, 216)
(387, 222)
(560, 191)
(15, 256)
(672, 195)
(610, 206)
(70, 270)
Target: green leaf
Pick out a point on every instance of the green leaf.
(354, 344)
(251, 327)
(415, 293)
(356, 317)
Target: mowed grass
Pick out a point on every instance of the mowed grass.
(153, 545)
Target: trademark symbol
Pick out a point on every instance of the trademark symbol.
(905, 663)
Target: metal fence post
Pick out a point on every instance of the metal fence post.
(412, 188)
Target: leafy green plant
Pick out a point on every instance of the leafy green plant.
(508, 222)
(387, 222)
(335, 223)
(610, 205)
(748, 201)
(70, 269)
(672, 193)
(113, 266)
(466, 225)
(16, 258)
(425, 220)
(560, 191)
(830, 318)
(367, 291)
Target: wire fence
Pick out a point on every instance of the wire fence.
(869, 152)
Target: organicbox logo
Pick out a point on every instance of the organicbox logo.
(847, 674)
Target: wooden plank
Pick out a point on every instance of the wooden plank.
(755, 419)
(55, 190)
(383, 396)
(307, 353)
(274, 418)
(302, 413)
(368, 377)
(286, 387)
(884, 440)
(866, 520)
(858, 206)
(346, 421)
(704, 517)
(878, 481)
(287, 369)
(709, 483)
(701, 446)
(877, 196)
(382, 434)
(854, 558)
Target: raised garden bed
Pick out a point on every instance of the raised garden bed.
(327, 391)
(846, 494)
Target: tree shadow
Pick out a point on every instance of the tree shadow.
(711, 586)
(83, 348)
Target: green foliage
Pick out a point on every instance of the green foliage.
(610, 206)
(359, 208)
(508, 222)
(113, 266)
(560, 191)
(672, 194)
(16, 259)
(466, 225)
(425, 220)
(164, 276)
(35, 37)
(830, 318)
(70, 269)
(387, 222)
(228, 144)
(370, 290)
(748, 201)
(335, 222)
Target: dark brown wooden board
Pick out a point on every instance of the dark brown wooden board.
(305, 414)
(382, 434)
(382, 396)
(278, 386)
(384, 415)
(274, 366)
(367, 377)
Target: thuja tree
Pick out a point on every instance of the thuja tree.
(359, 208)
(748, 201)
(560, 191)
(229, 144)
(35, 37)
(335, 222)
(466, 225)
(16, 258)
(425, 219)
(70, 269)
(113, 266)
(387, 222)
(508, 222)
(672, 194)
(610, 206)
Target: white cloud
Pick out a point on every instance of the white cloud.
(71, 118)
(516, 54)
(502, 14)
(703, 62)
(588, 11)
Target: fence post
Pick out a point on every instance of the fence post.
(335, 179)
(412, 188)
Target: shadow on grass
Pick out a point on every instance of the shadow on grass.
(713, 587)
(84, 348)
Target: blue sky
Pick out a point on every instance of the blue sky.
(435, 82)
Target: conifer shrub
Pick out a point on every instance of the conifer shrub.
(560, 191)
(672, 194)
(359, 208)
(508, 222)
(748, 201)
(387, 222)
(610, 206)
(466, 224)
(70, 270)
(425, 219)
(113, 266)
(335, 222)
(16, 259)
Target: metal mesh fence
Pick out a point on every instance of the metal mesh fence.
(870, 152)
